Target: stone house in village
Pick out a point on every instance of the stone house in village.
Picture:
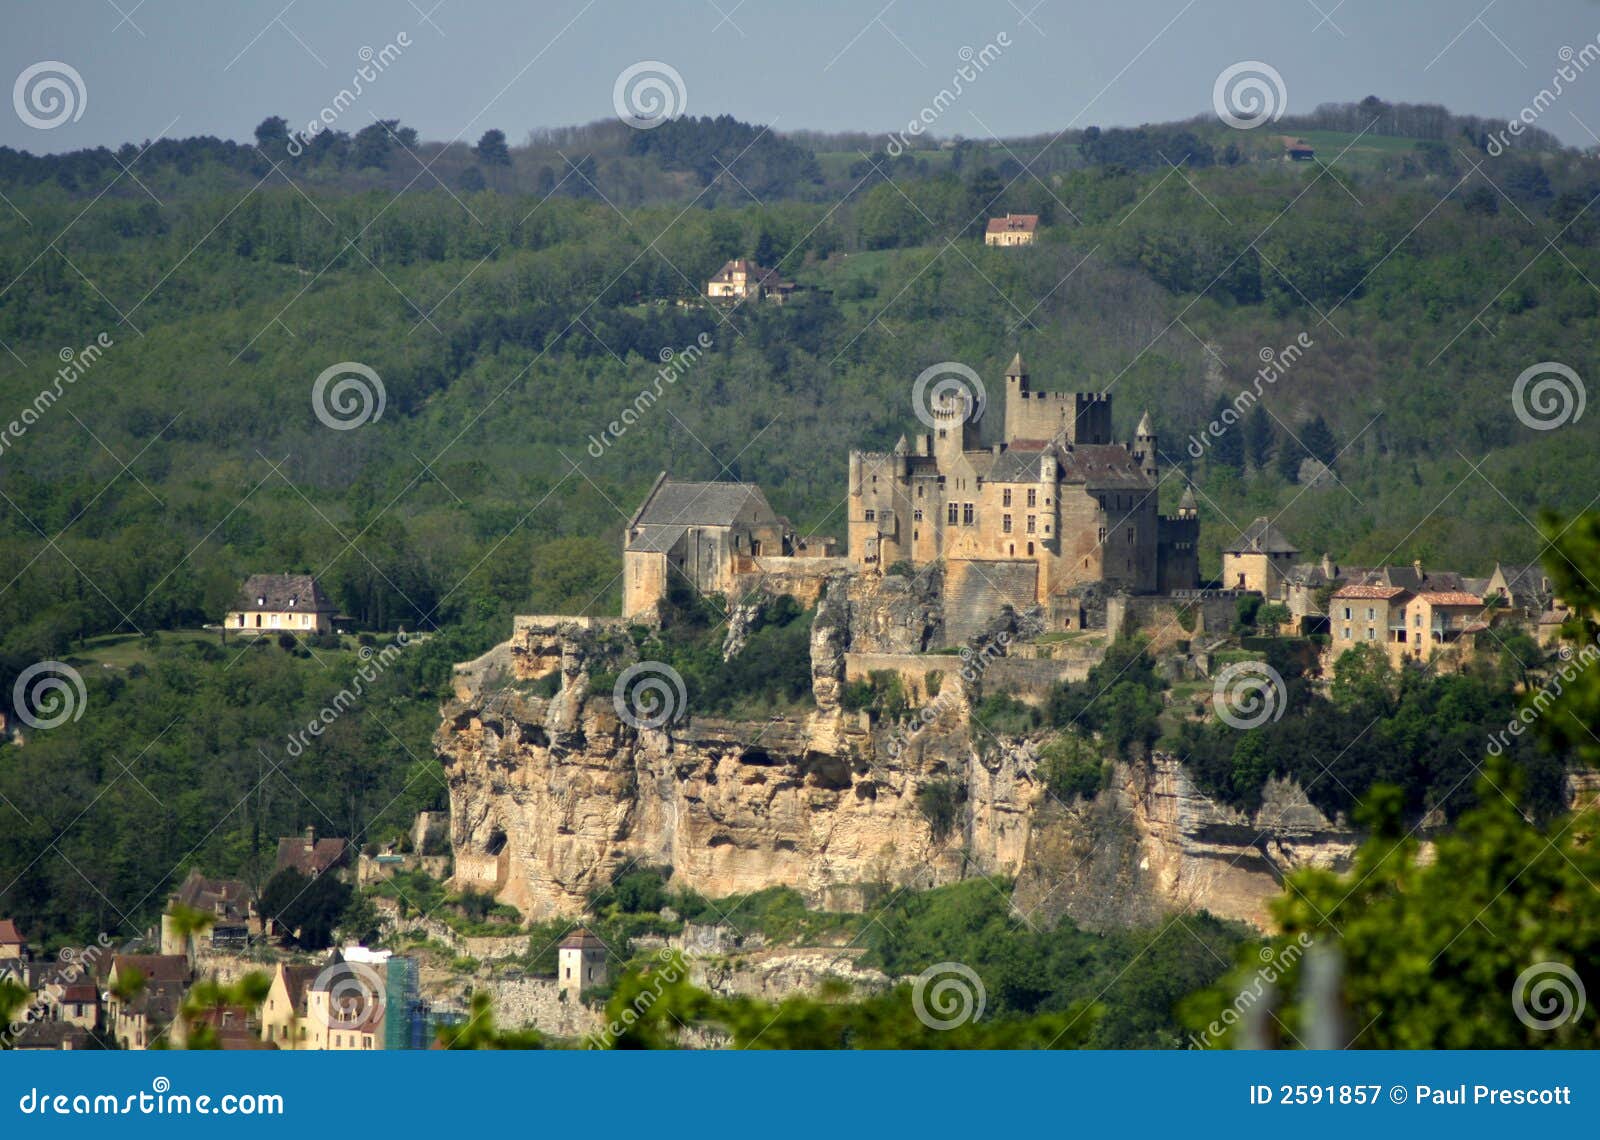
(281, 603)
(580, 963)
(1260, 559)
(1011, 230)
(1408, 625)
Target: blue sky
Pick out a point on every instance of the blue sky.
(183, 67)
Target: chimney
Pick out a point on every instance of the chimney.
(311, 840)
(1416, 568)
(1329, 570)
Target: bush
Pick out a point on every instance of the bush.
(940, 803)
(1070, 768)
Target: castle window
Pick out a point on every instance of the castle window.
(1372, 634)
(1047, 528)
(954, 516)
(1031, 521)
(966, 514)
(1005, 524)
(1133, 535)
(1347, 616)
(915, 534)
(1102, 499)
(871, 515)
(1005, 497)
(916, 515)
(1347, 633)
(1030, 548)
(1102, 536)
(1033, 497)
(919, 490)
(943, 433)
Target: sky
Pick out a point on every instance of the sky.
(175, 68)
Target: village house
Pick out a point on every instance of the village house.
(281, 603)
(1408, 625)
(1297, 150)
(743, 280)
(282, 1018)
(226, 901)
(1011, 230)
(308, 854)
(580, 963)
(144, 994)
(232, 1029)
(1260, 559)
(13, 946)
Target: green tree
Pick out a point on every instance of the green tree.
(491, 149)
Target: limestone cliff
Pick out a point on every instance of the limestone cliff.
(551, 795)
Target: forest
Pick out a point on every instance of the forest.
(514, 298)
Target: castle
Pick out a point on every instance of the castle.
(1054, 508)
(1053, 516)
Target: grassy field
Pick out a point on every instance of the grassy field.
(124, 650)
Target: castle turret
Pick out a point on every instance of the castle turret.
(1187, 508)
(1144, 447)
(954, 427)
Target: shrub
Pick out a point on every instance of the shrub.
(1070, 768)
(940, 803)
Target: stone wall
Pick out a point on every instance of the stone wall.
(976, 591)
(537, 1003)
(1211, 613)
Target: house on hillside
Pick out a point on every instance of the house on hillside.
(1408, 624)
(12, 945)
(283, 1014)
(1013, 229)
(227, 902)
(743, 280)
(281, 603)
(1297, 150)
(580, 963)
(308, 854)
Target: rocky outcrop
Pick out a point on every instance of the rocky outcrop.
(552, 795)
(1152, 843)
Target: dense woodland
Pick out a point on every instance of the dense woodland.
(515, 298)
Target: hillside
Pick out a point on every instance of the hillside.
(510, 324)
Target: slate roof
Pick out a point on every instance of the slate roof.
(52, 1035)
(656, 539)
(1261, 537)
(1097, 465)
(671, 503)
(1026, 223)
(582, 939)
(224, 898)
(158, 969)
(284, 592)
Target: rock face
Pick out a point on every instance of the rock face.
(552, 795)
(1152, 843)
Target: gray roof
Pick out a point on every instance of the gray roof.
(1096, 465)
(656, 539)
(284, 592)
(698, 504)
(1261, 537)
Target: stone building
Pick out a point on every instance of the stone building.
(281, 603)
(1053, 508)
(1260, 559)
(691, 533)
(580, 963)
(1408, 625)
(1011, 230)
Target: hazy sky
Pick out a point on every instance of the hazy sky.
(187, 67)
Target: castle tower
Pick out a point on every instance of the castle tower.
(955, 430)
(1187, 508)
(580, 964)
(1144, 447)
